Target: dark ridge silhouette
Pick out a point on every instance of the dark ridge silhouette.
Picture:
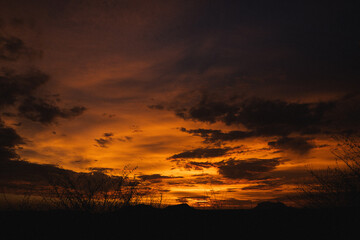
(177, 222)
(139, 208)
(268, 205)
(179, 207)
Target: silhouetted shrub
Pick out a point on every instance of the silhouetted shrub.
(94, 191)
(338, 186)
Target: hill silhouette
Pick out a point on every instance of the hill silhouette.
(182, 222)
(268, 205)
(179, 207)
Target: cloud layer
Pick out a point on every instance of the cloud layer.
(19, 85)
(279, 78)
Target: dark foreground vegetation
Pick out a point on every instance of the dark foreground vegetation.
(182, 222)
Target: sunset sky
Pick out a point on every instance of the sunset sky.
(232, 99)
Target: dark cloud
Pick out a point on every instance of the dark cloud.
(208, 179)
(261, 117)
(9, 114)
(108, 139)
(73, 111)
(108, 115)
(269, 184)
(272, 49)
(269, 118)
(46, 112)
(16, 174)
(12, 48)
(19, 176)
(202, 153)
(19, 170)
(100, 170)
(185, 196)
(297, 145)
(108, 134)
(157, 144)
(197, 165)
(247, 169)
(15, 87)
(19, 85)
(293, 175)
(135, 128)
(196, 179)
(217, 136)
(9, 140)
(206, 110)
(105, 141)
(9, 137)
(156, 106)
(81, 162)
(278, 117)
(156, 177)
(250, 169)
(125, 139)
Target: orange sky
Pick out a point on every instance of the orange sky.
(144, 71)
